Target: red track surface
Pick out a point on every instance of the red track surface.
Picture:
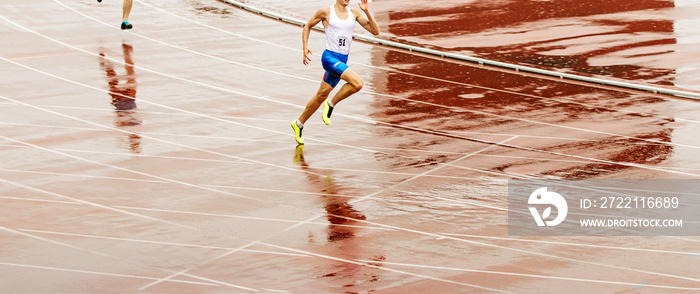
(196, 186)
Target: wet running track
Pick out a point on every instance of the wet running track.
(161, 159)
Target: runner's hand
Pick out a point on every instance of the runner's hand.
(364, 5)
(307, 59)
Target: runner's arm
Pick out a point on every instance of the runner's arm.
(367, 21)
(320, 16)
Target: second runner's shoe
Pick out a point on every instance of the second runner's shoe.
(126, 25)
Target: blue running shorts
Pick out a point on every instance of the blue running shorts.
(335, 64)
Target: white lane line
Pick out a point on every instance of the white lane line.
(274, 44)
(388, 127)
(171, 276)
(602, 161)
(99, 273)
(40, 200)
(463, 202)
(139, 112)
(479, 155)
(573, 244)
(359, 171)
(260, 140)
(211, 260)
(186, 271)
(216, 283)
(372, 264)
(273, 290)
(164, 113)
(499, 273)
(54, 242)
(451, 163)
(172, 181)
(555, 257)
(376, 148)
(97, 205)
(122, 212)
(242, 217)
(157, 242)
(164, 182)
(194, 213)
(509, 156)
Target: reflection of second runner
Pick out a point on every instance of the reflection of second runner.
(339, 21)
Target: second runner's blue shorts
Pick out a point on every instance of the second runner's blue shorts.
(335, 64)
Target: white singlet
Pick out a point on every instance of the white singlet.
(339, 32)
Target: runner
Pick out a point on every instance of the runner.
(339, 22)
(126, 9)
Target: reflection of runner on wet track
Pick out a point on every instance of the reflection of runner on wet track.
(339, 21)
(123, 95)
(342, 230)
(340, 213)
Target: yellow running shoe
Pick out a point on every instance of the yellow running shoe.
(327, 110)
(297, 132)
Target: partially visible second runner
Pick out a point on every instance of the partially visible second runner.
(126, 10)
